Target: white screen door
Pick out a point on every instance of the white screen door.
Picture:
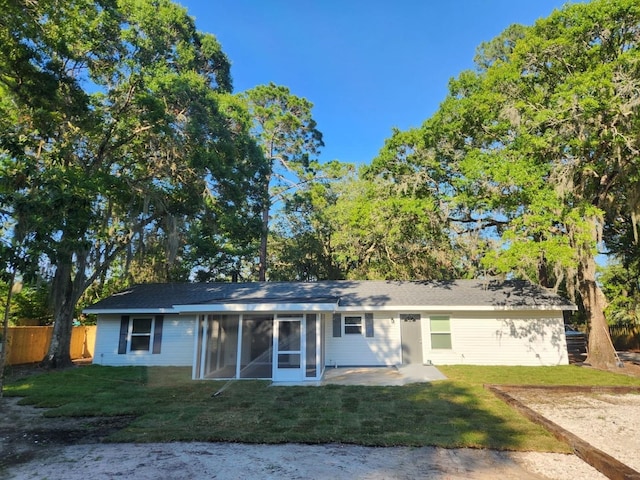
(287, 351)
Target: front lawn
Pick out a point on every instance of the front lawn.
(169, 406)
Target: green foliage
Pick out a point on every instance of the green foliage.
(222, 240)
(286, 132)
(301, 241)
(382, 232)
(118, 132)
(536, 148)
(620, 285)
(576, 124)
(33, 302)
(533, 157)
(29, 301)
(410, 205)
(285, 128)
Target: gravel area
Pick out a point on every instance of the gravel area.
(609, 422)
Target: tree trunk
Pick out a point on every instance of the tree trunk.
(264, 235)
(601, 353)
(543, 273)
(58, 355)
(5, 329)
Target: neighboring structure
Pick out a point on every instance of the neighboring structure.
(293, 331)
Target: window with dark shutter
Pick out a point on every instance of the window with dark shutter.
(157, 333)
(337, 325)
(124, 332)
(368, 324)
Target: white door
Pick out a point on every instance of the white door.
(287, 350)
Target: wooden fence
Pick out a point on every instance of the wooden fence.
(30, 344)
(625, 337)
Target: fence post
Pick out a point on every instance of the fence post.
(5, 329)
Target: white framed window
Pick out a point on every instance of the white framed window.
(140, 334)
(440, 327)
(353, 325)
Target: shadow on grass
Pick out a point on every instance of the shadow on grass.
(445, 414)
(170, 407)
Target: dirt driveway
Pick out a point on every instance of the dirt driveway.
(34, 446)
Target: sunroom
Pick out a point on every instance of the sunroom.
(281, 342)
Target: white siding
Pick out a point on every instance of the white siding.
(477, 338)
(177, 343)
(358, 350)
(500, 338)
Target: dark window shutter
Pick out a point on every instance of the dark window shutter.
(337, 325)
(124, 331)
(368, 324)
(157, 333)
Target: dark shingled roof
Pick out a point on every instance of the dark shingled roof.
(346, 293)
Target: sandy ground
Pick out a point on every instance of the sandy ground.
(609, 422)
(234, 461)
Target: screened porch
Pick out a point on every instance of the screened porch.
(277, 346)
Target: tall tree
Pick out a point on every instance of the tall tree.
(622, 290)
(223, 239)
(384, 230)
(302, 236)
(543, 148)
(111, 130)
(286, 131)
(417, 167)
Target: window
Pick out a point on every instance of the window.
(140, 334)
(353, 325)
(440, 332)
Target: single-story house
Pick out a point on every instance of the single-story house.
(292, 331)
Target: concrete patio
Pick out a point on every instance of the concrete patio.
(396, 375)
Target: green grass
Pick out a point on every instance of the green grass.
(561, 375)
(169, 406)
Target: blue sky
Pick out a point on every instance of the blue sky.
(366, 65)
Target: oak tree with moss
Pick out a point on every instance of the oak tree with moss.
(540, 147)
(112, 128)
